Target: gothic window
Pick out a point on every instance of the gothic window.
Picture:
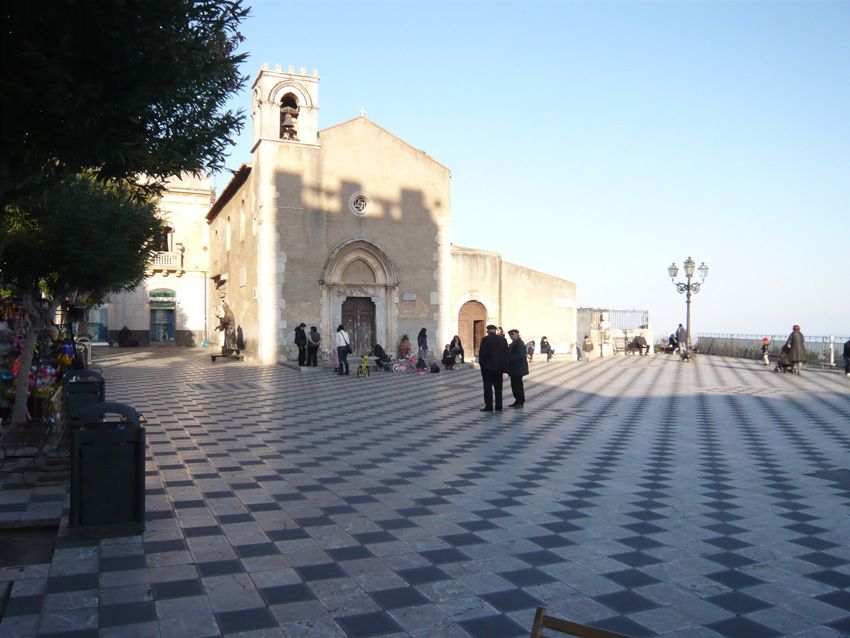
(288, 117)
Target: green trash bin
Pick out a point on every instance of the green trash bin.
(107, 472)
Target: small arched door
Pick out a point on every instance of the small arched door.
(471, 322)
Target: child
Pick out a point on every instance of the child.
(765, 348)
(421, 366)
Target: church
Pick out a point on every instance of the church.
(349, 225)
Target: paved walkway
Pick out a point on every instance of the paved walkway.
(645, 495)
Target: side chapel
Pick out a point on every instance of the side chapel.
(351, 225)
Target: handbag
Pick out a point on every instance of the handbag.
(348, 349)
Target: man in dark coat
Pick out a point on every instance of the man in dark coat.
(798, 348)
(517, 367)
(847, 358)
(301, 342)
(493, 361)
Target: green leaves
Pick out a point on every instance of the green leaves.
(122, 87)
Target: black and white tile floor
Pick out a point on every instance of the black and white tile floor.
(644, 495)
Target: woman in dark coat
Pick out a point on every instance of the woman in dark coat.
(457, 347)
(517, 367)
(798, 348)
(422, 340)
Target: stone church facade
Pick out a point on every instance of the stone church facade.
(351, 225)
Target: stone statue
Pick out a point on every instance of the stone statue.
(227, 324)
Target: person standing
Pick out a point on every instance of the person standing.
(682, 338)
(797, 343)
(422, 340)
(493, 360)
(342, 342)
(301, 342)
(847, 358)
(765, 351)
(517, 367)
(587, 347)
(313, 341)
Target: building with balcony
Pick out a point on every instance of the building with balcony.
(169, 307)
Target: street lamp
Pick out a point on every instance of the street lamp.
(688, 287)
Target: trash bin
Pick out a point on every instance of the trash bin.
(107, 472)
(81, 388)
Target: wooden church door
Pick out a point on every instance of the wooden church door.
(358, 318)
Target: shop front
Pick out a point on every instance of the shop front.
(163, 303)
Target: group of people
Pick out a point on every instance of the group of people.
(495, 358)
(308, 345)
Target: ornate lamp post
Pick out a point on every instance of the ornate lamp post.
(688, 287)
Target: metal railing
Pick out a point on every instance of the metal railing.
(824, 350)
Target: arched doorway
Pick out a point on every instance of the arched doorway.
(360, 285)
(471, 323)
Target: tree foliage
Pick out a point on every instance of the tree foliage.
(121, 87)
(78, 233)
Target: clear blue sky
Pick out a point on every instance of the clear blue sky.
(600, 141)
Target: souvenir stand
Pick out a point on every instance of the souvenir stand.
(54, 353)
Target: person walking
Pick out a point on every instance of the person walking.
(301, 342)
(493, 361)
(682, 338)
(765, 351)
(517, 367)
(313, 341)
(422, 340)
(797, 343)
(343, 343)
(847, 357)
(587, 347)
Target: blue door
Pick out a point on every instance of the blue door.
(162, 325)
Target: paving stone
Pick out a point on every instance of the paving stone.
(660, 498)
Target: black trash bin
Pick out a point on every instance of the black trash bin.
(81, 388)
(107, 472)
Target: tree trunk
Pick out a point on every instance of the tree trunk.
(19, 410)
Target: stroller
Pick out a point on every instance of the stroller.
(383, 361)
(784, 364)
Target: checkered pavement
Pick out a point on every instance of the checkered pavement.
(644, 495)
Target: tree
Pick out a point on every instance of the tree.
(78, 234)
(121, 87)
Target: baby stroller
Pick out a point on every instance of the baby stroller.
(784, 364)
(383, 361)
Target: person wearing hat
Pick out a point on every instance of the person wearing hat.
(493, 361)
(517, 367)
(765, 349)
(301, 342)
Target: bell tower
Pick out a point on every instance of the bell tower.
(285, 106)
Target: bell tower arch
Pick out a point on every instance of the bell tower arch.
(285, 106)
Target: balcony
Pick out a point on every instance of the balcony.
(167, 263)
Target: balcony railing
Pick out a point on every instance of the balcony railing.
(167, 261)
